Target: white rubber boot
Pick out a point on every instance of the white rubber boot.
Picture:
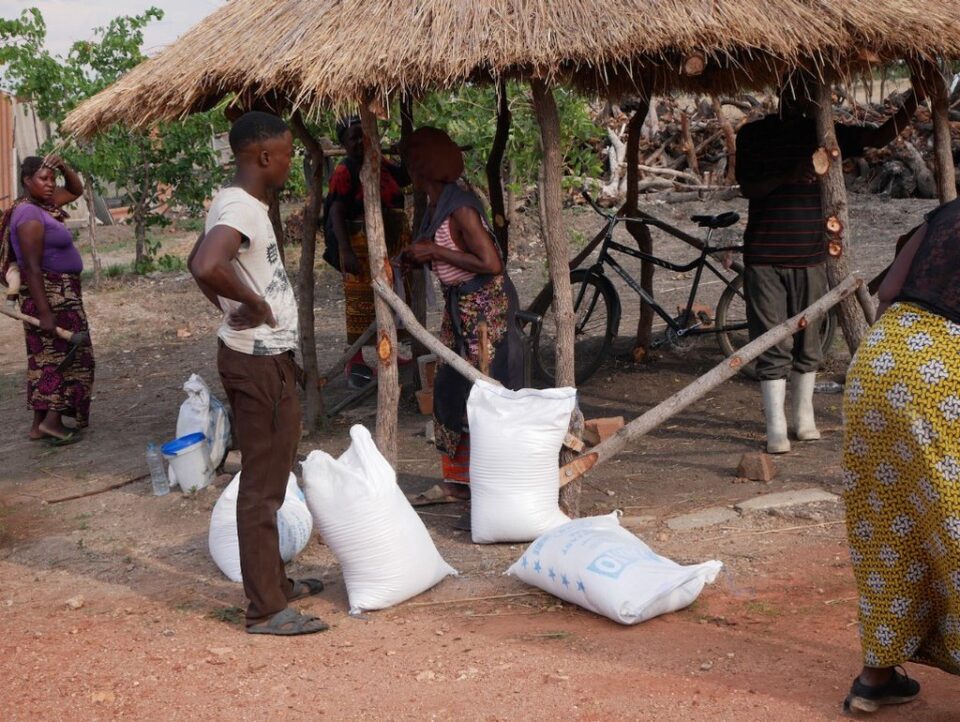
(801, 391)
(774, 396)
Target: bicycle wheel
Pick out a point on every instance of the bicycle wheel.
(596, 310)
(732, 313)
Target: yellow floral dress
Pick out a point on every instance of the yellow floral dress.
(901, 476)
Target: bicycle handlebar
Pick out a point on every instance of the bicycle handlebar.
(593, 204)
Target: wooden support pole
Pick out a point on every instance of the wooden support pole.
(833, 195)
(639, 231)
(723, 371)
(92, 230)
(501, 214)
(313, 407)
(388, 380)
(729, 139)
(935, 84)
(417, 277)
(556, 237)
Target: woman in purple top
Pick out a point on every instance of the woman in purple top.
(34, 237)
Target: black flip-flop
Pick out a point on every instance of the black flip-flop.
(303, 588)
(289, 623)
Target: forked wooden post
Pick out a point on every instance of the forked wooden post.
(833, 194)
(723, 371)
(556, 238)
(313, 408)
(388, 383)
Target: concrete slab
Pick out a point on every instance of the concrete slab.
(702, 518)
(782, 499)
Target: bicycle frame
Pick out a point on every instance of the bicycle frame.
(605, 258)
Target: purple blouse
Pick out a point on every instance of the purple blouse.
(59, 253)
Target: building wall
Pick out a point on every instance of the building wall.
(8, 162)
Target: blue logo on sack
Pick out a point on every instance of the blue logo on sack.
(613, 561)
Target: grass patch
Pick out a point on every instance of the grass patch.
(228, 615)
(763, 609)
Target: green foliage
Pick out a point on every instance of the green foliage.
(173, 163)
(469, 115)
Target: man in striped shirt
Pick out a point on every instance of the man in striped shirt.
(785, 246)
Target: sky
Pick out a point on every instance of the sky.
(72, 20)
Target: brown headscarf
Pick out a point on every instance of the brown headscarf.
(432, 154)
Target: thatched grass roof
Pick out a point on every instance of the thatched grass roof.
(329, 53)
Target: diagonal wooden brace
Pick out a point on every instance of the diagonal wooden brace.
(576, 468)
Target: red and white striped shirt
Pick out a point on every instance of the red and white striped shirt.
(449, 274)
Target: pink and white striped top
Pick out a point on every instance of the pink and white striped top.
(448, 274)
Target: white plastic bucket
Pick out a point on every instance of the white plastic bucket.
(189, 457)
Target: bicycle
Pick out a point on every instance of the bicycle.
(597, 305)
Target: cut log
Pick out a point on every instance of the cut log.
(821, 161)
(558, 251)
(388, 386)
(907, 153)
(694, 64)
(833, 195)
(718, 374)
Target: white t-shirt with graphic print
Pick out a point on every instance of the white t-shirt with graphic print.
(259, 266)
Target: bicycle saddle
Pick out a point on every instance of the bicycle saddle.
(721, 221)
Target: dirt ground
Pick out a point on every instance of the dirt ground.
(153, 629)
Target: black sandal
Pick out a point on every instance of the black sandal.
(289, 623)
(303, 588)
(899, 689)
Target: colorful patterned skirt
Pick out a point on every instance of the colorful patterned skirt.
(69, 390)
(495, 302)
(357, 291)
(901, 475)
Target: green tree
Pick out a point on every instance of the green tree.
(172, 163)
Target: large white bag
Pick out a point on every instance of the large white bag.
(597, 564)
(383, 547)
(515, 440)
(294, 523)
(202, 412)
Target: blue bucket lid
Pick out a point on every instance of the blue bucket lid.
(172, 448)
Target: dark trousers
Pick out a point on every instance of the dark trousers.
(266, 412)
(773, 295)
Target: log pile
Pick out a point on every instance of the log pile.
(688, 147)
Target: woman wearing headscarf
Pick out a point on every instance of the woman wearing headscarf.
(34, 237)
(457, 241)
(901, 468)
(346, 240)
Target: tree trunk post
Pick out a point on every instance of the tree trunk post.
(501, 217)
(314, 409)
(936, 84)
(92, 230)
(388, 385)
(418, 278)
(554, 231)
(833, 195)
(639, 231)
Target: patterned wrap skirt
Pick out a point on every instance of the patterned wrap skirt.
(357, 291)
(901, 477)
(69, 390)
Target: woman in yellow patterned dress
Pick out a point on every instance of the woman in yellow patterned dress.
(901, 469)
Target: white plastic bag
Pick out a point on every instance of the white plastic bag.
(515, 440)
(202, 412)
(383, 547)
(597, 564)
(294, 523)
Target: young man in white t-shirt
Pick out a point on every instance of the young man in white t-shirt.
(237, 265)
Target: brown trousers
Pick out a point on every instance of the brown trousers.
(262, 391)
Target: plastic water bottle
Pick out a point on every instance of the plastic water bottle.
(158, 477)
